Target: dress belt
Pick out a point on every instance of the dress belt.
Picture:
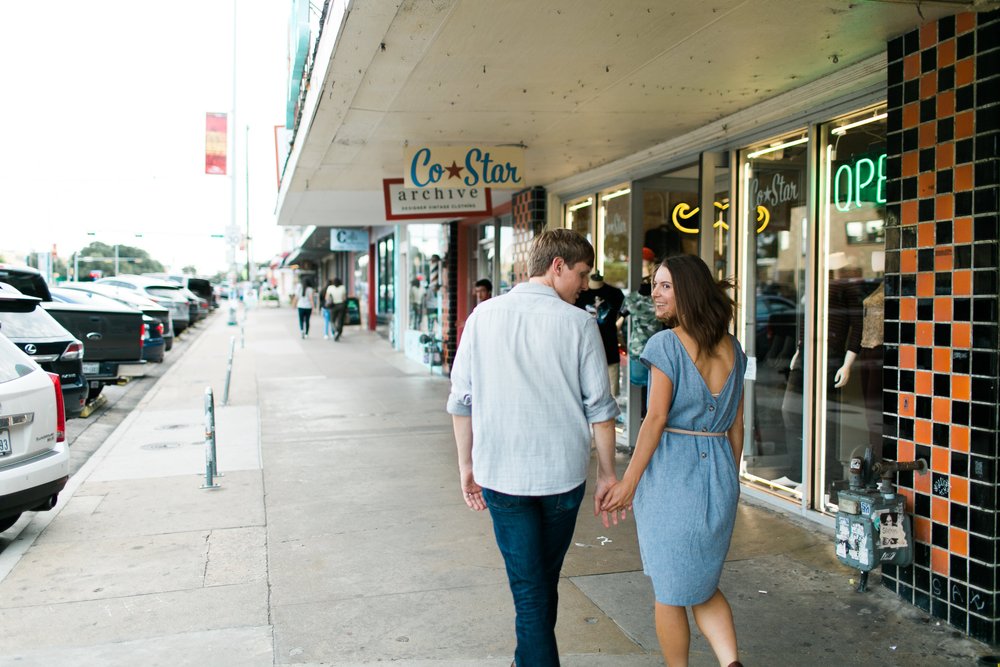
(684, 431)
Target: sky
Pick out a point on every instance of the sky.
(102, 126)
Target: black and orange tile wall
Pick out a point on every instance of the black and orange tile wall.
(942, 365)
(449, 305)
(528, 218)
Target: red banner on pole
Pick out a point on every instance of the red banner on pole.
(215, 143)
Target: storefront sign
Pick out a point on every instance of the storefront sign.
(862, 181)
(463, 166)
(349, 239)
(684, 212)
(406, 203)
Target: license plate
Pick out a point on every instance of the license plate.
(4, 442)
(92, 368)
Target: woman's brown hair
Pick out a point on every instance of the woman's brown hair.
(704, 307)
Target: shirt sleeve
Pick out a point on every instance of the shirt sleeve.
(598, 403)
(460, 397)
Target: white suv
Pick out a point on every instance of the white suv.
(34, 457)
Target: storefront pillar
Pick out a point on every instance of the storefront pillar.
(941, 367)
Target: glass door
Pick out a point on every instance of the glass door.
(851, 297)
(774, 186)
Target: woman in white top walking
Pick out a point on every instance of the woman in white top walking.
(305, 301)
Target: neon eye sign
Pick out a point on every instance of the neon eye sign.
(853, 183)
(684, 212)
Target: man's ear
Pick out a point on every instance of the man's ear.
(557, 264)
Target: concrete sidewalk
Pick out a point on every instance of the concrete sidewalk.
(338, 536)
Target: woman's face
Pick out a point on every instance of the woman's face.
(663, 295)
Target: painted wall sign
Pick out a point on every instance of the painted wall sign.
(406, 203)
(859, 182)
(464, 166)
(349, 239)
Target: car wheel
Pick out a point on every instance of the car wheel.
(8, 521)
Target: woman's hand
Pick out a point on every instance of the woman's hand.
(614, 500)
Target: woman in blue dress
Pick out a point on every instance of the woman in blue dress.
(683, 475)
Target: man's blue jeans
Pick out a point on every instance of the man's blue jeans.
(534, 533)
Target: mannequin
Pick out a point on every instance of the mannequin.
(604, 302)
(872, 355)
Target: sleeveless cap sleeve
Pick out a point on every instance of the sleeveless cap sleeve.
(659, 353)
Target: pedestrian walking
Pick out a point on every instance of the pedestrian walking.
(326, 309)
(528, 384)
(684, 471)
(416, 304)
(336, 296)
(305, 301)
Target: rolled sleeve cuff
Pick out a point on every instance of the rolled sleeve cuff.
(460, 406)
(604, 411)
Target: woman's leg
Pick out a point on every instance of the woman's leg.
(715, 620)
(326, 323)
(674, 634)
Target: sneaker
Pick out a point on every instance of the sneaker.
(336, 336)
(302, 334)
(325, 337)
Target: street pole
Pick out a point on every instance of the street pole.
(246, 171)
(233, 230)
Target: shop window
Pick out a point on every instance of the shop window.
(613, 219)
(775, 189)
(425, 249)
(579, 216)
(853, 162)
(385, 276)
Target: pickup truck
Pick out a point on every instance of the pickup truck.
(112, 335)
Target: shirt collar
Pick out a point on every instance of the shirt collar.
(535, 288)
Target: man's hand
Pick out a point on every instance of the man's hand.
(606, 488)
(472, 492)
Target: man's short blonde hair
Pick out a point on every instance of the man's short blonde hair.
(554, 243)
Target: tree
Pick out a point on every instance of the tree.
(101, 257)
(190, 270)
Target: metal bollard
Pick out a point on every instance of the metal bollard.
(229, 370)
(211, 468)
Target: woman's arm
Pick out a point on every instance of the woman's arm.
(660, 394)
(735, 434)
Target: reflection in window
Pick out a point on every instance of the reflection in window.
(425, 250)
(613, 222)
(580, 217)
(774, 185)
(854, 248)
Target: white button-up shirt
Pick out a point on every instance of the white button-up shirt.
(532, 373)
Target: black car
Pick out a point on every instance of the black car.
(52, 347)
(129, 298)
(152, 334)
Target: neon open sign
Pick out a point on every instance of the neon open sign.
(863, 181)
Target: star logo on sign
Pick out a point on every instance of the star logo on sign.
(454, 171)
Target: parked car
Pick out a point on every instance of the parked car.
(200, 287)
(39, 336)
(113, 333)
(130, 298)
(34, 457)
(152, 332)
(167, 294)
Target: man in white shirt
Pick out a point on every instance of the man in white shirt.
(336, 296)
(529, 381)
